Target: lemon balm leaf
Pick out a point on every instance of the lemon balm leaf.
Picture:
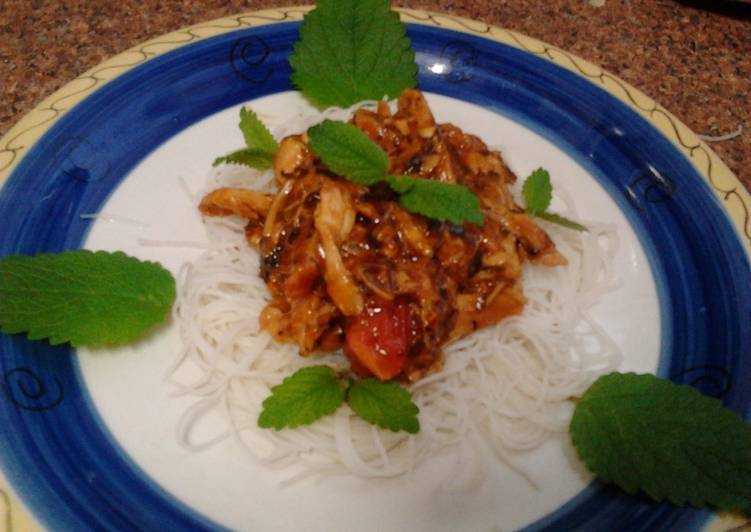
(648, 434)
(261, 145)
(386, 404)
(302, 398)
(352, 50)
(349, 152)
(83, 297)
(439, 201)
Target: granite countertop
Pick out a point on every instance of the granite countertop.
(696, 63)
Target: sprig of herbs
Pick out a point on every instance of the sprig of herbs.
(260, 144)
(537, 192)
(352, 155)
(350, 51)
(83, 297)
(316, 391)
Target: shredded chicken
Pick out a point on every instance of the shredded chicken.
(242, 202)
(348, 267)
(334, 218)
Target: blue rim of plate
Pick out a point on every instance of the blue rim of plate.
(56, 451)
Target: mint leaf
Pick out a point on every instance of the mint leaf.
(349, 152)
(385, 404)
(83, 297)
(436, 200)
(307, 395)
(561, 220)
(352, 50)
(644, 433)
(537, 191)
(261, 146)
(254, 159)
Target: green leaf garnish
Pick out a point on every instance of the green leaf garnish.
(385, 404)
(436, 200)
(83, 297)
(352, 50)
(307, 395)
(261, 146)
(349, 152)
(537, 192)
(313, 392)
(644, 433)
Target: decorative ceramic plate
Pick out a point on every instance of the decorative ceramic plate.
(89, 438)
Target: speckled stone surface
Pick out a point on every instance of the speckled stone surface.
(696, 63)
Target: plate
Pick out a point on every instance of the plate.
(91, 441)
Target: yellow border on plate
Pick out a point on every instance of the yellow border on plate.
(727, 187)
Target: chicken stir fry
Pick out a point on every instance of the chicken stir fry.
(348, 267)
